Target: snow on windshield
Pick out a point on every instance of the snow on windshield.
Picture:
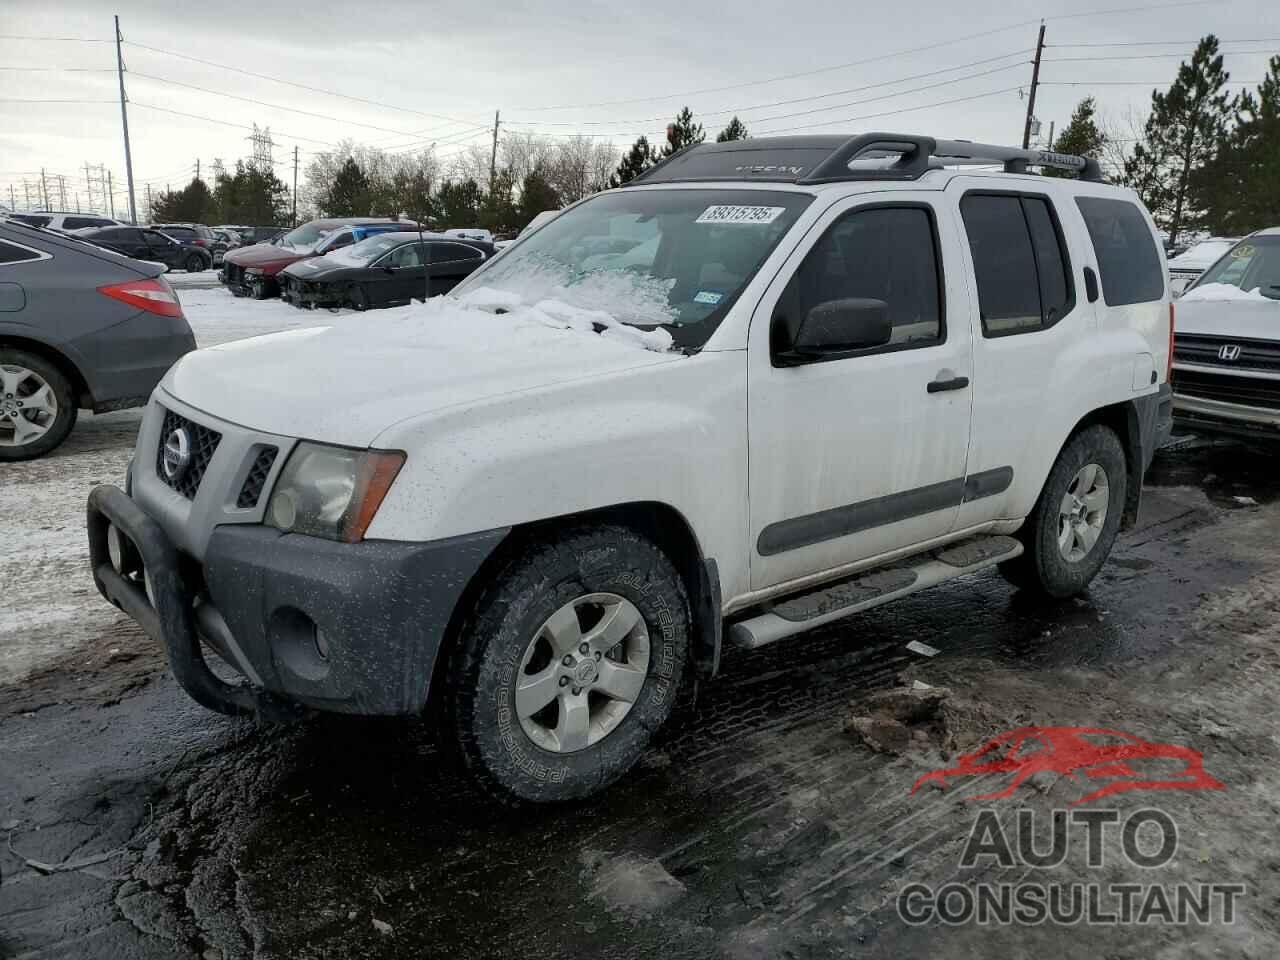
(1223, 291)
(540, 304)
(620, 295)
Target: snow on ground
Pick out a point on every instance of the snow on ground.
(50, 604)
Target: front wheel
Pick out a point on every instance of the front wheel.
(356, 296)
(1074, 524)
(567, 665)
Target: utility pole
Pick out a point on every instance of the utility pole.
(88, 183)
(295, 184)
(124, 121)
(149, 217)
(197, 168)
(1035, 82)
(62, 193)
(13, 204)
(44, 189)
(111, 195)
(493, 157)
(1049, 145)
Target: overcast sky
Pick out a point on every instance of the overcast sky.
(788, 67)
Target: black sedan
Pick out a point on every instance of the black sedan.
(144, 243)
(383, 271)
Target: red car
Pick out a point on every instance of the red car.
(1094, 753)
(251, 271)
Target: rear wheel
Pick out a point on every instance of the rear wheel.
(1075, 522)
(37, 406)
(195, 263)
(567, 665)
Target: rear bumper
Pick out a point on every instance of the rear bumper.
(351, 628)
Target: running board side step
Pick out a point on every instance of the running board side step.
(852, 595)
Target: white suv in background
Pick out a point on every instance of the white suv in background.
(1226, 376)
(67, 222)
(838, 374)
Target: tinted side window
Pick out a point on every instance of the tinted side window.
(32, 219)
(12, 253)
(155, 238)
(409, 255)
(1052, 267)
(180, 233)
(1004, 262)
(449, 252)
(1126, 251)
(79, 223)
(889, 254)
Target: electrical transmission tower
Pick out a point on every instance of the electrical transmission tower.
(261, 140)
(95, 178)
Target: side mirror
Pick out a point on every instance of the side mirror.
(388, 269)
(837, 328)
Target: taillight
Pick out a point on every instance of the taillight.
(200, 243)
(153, 295)
(1168, 370)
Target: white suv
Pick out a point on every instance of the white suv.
(829, 373)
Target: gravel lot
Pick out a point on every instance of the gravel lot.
(139, 825)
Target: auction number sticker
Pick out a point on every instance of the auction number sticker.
(728, 213)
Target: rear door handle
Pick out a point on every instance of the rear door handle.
(955, 383)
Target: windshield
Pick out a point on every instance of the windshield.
(1252, 265)
(675, 259)
(306, 237)
(1206, 251)
(367, 250)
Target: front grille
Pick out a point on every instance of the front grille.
(1249, 391)
(1254, 354)
(251, 489)
(202, 442)
(233, 273)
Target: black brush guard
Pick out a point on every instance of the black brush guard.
(171, 620)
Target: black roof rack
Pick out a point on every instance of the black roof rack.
(830, 159)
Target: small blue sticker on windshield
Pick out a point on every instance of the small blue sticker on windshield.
(707, 296)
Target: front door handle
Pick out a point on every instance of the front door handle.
(955, 383)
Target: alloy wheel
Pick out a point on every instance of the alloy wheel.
(28, 406)
(1082, 512)
(582, 672)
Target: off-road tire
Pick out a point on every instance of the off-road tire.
(484, 663)
(1042, 568)
(67, 411)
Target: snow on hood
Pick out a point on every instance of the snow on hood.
(1223, 291)
(348, 382)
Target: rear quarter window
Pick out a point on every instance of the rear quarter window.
(1128, 261)
(16, 253)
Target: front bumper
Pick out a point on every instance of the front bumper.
(351, 628)
(1202, 415)
(308, 295)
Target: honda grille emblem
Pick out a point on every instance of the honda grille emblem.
(177, 454)
(1229, 352)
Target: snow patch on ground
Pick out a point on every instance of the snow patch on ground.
(1223, 291)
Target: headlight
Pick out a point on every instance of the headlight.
(332, 492)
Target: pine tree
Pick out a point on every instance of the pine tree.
(634, 162)
(1239, 190)
(458, 204)
(682, 133)
(350, 195)
(1080, 137)
(192, 204)
(736, 130)
(536, 195)
(1186, 127)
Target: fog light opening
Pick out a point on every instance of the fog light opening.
(322, 644)
(115, 549)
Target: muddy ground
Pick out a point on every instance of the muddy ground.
(133, 824)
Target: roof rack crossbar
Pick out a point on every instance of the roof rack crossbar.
(831, 159)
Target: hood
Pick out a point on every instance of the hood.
(1212, 311)
(348, 382)
(320, 268)
(264, 254)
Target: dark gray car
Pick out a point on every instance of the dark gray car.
(80, 327)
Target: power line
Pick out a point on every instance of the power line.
(1124, 83)
(61, 69)
(1153, 56)
(889, 113)
(14, 36)
(809, 99)
(227, 123)
(1159, 43)
(303, 86)
(22, 100)
(877, 59)
(263, 103)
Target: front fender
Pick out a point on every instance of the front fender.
(674, 433)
